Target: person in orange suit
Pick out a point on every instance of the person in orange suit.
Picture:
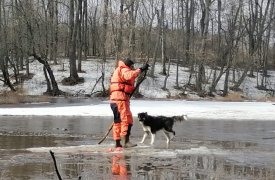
(119, 165)
(121, 86)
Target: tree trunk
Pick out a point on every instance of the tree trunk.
(5, 72)
(94, 38)
(73, 33)
(55, 45)
(152, 69)
(104, 48)
(55, 89)
(177, 46)
(205, 6)
(188, 17)
(86, 30)
(216, 78)
(226, 80)
(163, 40)
(49, 87)
(52, 28)
(4, 55)
(79, 36)
(119, 39)
(133, 7)
(167, 75)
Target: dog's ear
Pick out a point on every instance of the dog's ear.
(185, 117)
(140, 115)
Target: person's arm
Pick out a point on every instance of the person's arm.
(128, 74)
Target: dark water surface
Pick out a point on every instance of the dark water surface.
(201, 150)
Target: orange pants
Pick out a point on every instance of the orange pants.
(122, 118)
(119, 166)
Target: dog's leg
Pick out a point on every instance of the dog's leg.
(153, 135)
(167, 136)
(144, 136)
(174, 134)
(167, 130)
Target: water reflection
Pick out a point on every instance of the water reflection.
(28, 171)
(201, 167)
(131, 166)
(233, 144)
(119, 166)
(13, 142)
(20, 142)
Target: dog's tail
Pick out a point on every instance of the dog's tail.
(180, 118)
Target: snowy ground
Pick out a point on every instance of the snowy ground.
(150, 88)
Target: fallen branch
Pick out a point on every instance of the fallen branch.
(55, 166)
(96, 84)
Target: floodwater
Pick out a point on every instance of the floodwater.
(202, 149)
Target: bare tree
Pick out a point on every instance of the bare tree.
(192, 50)
(104, 37)
(163, 38)
(227, 45)
(4, 54)
(239, 38)
(158, 40)
(74, 24)
(36, 40)
(79, 35)
(53, 15)
(204, 24)
(265, 50)
(256, 27)
(132, 12)
(119, 39)
(72, 44)
(85, 29)
(232, 40)
(94, 35)
(188, 20)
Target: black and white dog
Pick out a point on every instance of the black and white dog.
(152, 124)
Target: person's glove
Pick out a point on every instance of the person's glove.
(145, 67)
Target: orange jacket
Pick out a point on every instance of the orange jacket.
(123, 82)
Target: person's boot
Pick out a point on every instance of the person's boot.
(118, 143)
(125, 142)
(118, 146)
(128, 143)
(127, 138)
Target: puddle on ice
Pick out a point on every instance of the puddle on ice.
(148, 162)
(140, 150)
(200, 150)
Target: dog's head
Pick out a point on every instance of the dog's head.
(185, 118)
(142, 116)
(180, 118)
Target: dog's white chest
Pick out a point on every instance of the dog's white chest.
(145, 128)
